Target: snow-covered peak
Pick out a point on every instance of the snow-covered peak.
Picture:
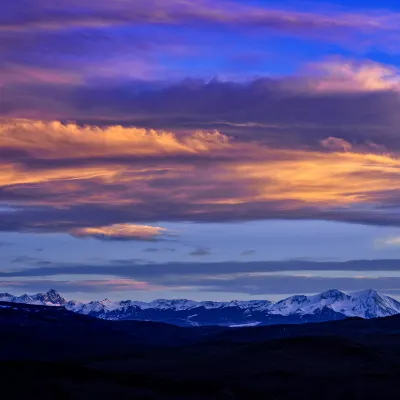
(51, 297)
(110, 305)
(24, 299)
(289, 306)
(6, 297)
(93, 306)
(370, 303)
(365, 304)
(75, 306)
(332, 298)
(96, 307)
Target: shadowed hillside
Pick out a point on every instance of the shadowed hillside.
(62, 355)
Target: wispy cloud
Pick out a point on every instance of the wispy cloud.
(248, 252)
(158, 250)
(200, 252)
(143, 271)
(88, 286)
(121, 232)
(25, 260)
(393, 241)
(244, 284)
(251, 278)
(100, 14)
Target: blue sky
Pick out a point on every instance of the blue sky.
(198, 133)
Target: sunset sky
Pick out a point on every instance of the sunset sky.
(202, 149)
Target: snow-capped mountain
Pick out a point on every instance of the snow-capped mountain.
(51, 298)
(325, 306)
(366, 304)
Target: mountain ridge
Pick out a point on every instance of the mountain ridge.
(329, 305)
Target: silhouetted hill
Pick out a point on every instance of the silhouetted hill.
(53, 333)
(57, 354)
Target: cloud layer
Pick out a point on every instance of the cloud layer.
(250, 278)
(120, 117)
(42, 15)
(91, 180)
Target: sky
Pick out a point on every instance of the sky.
(219, 150)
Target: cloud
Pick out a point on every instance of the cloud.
(161, 272)
(281, 284)
(249, 285)
(338, 75)
(24, 260)
(388, 242)
(282, 111)
(100, 14)
(157, 250)
(122, 232)
(87, 286)
(248, 252)
(92, 181)
(292, 152)
(19, 74)
(129, 261)
(200, 252)
(333, 143)
(251, 278)
(53, 57)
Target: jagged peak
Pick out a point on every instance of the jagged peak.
(24, 296)
(51, 296)
(50, 292)
(293, 299)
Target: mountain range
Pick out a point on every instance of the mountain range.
(326, 306)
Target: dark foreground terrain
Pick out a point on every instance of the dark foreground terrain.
(50, 353)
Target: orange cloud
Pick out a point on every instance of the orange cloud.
(326, 178)
(349, 76)
(113, 284)
(68, 153)
(134, 175)
(90, 285)
(333, 143)
(121, 232)
(54, 140)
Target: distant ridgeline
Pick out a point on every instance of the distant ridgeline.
(326, 306)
